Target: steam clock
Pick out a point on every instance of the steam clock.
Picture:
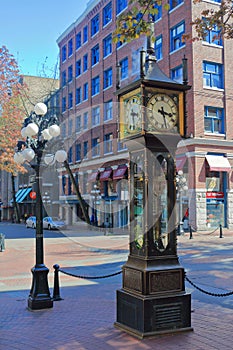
(153, 299)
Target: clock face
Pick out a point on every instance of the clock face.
(132, 112)
(162, 112)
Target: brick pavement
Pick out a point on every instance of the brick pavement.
(84, 319)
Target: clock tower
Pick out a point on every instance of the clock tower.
(152, 121)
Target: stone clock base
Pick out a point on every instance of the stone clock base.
(146, 316)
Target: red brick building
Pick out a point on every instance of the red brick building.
(88, 60)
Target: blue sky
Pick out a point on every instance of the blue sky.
(29, 29)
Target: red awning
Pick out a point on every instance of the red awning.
(105, 175)
(119, 173)
(218, 163)
(92, 177)
(180, 162)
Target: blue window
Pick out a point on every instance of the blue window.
(95, 86)
(95, 115)
(107, 45)
(175, 3)
(95, 25)
(85, 92)
(70, 47)
(108, 110)
(85, 34)
(70, 73)
(124, 68)
(63, 104)
(159, 47)
(107, 78)
(63, 78)
(176, 36)
(63, 53)
(95, 147)
(70, 155)
(78, 95)
(85, 120)
(213, 36)
(214, 120)
(121, 5)
(64, 183)
(78, 152)
(108, 138)
(95, 55)
(78, 68)
(85, 149)
(212, 75)
(177, 74)
(85, 62)
(78, 123)
(78, 40)
(107, 14)
(70, 100)
(158, 15)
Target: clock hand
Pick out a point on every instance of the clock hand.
(161, 111)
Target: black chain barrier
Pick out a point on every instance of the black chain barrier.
(209, 293)
(90, 277)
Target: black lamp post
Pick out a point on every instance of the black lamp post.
(38, 129)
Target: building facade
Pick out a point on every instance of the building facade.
(88, 79)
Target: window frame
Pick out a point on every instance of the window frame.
(212, 75)
(212, 119)
(177, 37)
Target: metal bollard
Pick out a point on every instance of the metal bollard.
(220, 229)
(56, 289)
(190, 232)
(2, 242)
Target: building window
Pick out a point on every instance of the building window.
(85, 62)
(78, 152)
(85, 92)
(107, 78)
(175, 3)
(124, 68)
(95, 116)
(95, 147)
(70, 127)
(63, 53)
(78, 68)
(214, 120)
(95, 55)
(63, 130)
(158, 13)
(70, 155)
(70, 100)
(108, 143)
(213, 36)
(177, 74)
(78, 123)
(85, 34)
(212, 75)
(63, 78)
(107, 45)
(70, 47)
(95, 86)
(85, 120)
(121, 146)
(70, 73)
(78, 95)
(78, 40)
(85, 149)
(176, 36)
(121, 5)
(107, 14)
(95, 25)
(108, 110)
(159, 47)
(63, 104)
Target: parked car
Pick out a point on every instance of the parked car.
(31, 222)
(53, 223)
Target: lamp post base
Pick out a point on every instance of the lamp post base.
(39, 297)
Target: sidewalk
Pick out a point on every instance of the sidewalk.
(84, 319)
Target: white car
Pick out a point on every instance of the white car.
(31, 222)
(53, 223)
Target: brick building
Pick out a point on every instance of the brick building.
(88, 60)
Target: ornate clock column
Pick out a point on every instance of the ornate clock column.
(153, 299)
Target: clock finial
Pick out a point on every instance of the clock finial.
(150, 41)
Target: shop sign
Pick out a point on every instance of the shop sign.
(32, 195)
(218, 195)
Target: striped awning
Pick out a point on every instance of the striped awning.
(22, 194)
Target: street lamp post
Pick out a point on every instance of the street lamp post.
(95, 196)
(38, 129)
(181, 186)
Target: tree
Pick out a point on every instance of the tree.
(134, 22)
